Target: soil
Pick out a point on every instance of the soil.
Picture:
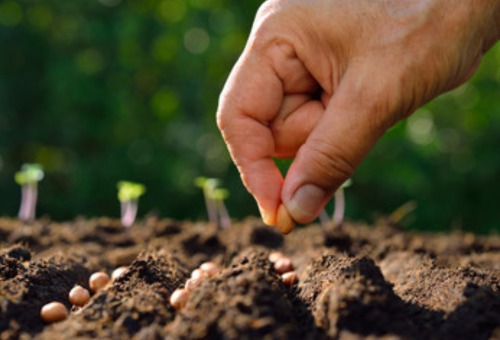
(356, 281)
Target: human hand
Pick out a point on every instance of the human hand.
(321, 80)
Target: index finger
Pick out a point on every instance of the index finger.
(251, 98)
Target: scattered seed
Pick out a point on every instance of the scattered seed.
(283, 265)
(210, 268)
(198, 273)
(193, 283)
(179, 298)
(289, 278)
(53, 312)
(118, 272)
(98, 280)
(275, 256)
(284, 222)
(79, 296)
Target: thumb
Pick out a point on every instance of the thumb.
(355, 118)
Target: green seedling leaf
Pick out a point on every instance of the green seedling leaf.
(207, 184)
(220, 194)
(128, 191)
(30, 173)
(200, 182)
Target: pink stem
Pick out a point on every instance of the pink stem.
(211, 208)
(29, 194)
(338, 214)
(128, 212)
(225, 220)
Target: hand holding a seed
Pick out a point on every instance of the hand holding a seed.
(320, 81)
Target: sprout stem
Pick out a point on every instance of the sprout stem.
(29, 195)
(128, 212)
(338, 213)
(224, 219)
(28, 179)
(128, 195)
(211, 206)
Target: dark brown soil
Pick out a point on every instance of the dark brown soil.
(354, 282)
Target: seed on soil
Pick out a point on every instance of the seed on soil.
(53, 312)
(284, 222)
(275, 256)
(118, 272)
(98, 280)
(289, 278)
(210, 268)
(79, 296)
(283, 265)
(198, 273)
(193, 283)
(179, 298)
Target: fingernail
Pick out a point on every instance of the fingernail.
(305, 203)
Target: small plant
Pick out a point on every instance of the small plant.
(214, 201)
(28, 179)
(128, 195)
(338, 213)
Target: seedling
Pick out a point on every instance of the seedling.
(28, 179)
(214, 201)
(339, 211)
(128, 195)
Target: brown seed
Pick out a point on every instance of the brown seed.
(198, 273)
(79, 296)
(289, 278)
(283, 265)
(284, 222)
(118, 272)
(179, 298)
(275, 256)
(210, 268)
(98, 280)
(193, 283)
(53, 312)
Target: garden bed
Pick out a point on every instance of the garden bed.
(355, 281)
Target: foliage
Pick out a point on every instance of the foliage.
(30, 173)
(101, 90)
(129, 191)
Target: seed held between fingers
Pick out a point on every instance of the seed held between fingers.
(98, 281)
(289, 278)
(283, 265)
(179, 298)
(53, 312)
(78, 296)
(284, 222)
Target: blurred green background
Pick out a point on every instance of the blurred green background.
(101, 91)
